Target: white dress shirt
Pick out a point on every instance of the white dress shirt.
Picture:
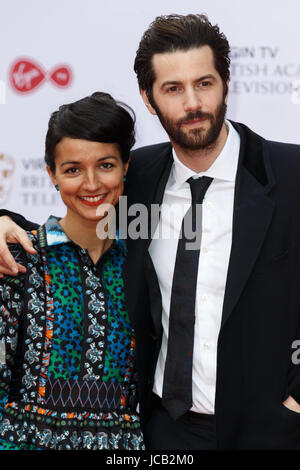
(215, 250)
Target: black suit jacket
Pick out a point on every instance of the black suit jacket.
(261, 312)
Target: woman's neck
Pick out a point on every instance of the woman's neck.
(83, 233)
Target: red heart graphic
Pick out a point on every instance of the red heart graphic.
(61, 76)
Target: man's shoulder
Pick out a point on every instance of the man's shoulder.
(149, 153)
(147, 164)
(284, 158)
(149, 149)
(282, 153)
(282, 148)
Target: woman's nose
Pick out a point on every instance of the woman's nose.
(91, 182)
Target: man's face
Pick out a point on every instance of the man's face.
(188, 95)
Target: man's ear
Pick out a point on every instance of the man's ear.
(146, 101)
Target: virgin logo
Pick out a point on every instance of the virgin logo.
(26, 75)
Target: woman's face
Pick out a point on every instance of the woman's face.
(88, 174)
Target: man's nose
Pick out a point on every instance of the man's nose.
(192, 101)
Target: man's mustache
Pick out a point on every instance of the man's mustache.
(192, 116)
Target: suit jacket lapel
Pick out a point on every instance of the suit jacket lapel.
(152, 178)
(159, 194)
(152, 281)
(253, 211)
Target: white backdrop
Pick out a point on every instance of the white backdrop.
(96, 41)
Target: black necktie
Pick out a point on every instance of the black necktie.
(177, 386)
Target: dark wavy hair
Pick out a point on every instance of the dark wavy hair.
(173, 33)
(98, 118)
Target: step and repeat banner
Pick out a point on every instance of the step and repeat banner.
(57, 51)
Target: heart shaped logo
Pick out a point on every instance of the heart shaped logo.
(26, 75)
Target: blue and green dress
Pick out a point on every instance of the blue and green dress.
(67, 350)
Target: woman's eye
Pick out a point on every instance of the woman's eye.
(106, 165)
(72, 170)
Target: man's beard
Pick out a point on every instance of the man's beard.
(198, 138)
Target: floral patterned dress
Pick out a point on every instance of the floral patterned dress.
(67, 350)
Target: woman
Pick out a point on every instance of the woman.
(67, 346)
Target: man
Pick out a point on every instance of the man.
(215, 325)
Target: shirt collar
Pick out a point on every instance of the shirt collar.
(223, 168)
(52, 233)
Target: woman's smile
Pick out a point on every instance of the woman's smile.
(93, 200)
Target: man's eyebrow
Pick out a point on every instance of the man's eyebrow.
(170, 82)
(76, 162)
(205, 77)
(177, 82)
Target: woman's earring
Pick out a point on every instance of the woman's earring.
(124, 179)
(57, 187)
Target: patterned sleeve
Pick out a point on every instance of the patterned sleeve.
(11, 306)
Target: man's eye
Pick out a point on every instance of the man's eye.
(173, 89)
(204, 84)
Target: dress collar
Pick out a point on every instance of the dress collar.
(52, 233)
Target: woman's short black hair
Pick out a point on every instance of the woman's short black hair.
(98, 118)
